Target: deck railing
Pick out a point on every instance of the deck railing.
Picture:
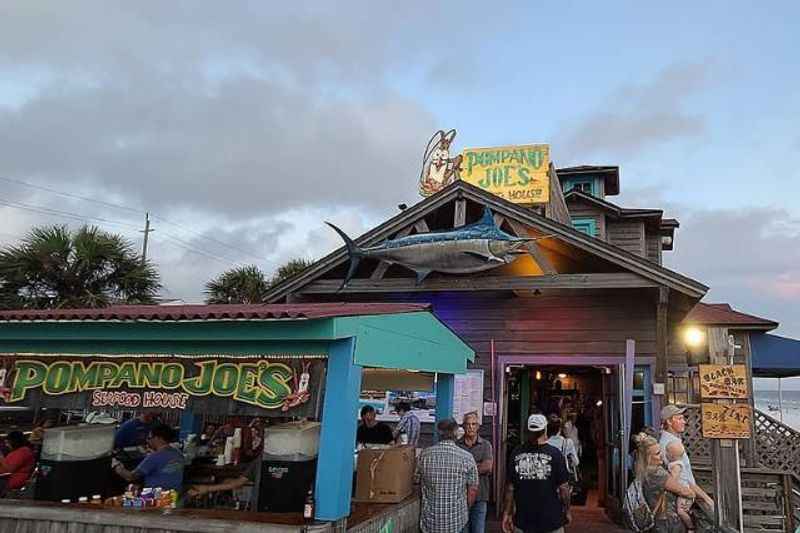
(777, 445)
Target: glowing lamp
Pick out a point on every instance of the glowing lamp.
(538, 375)
(694, 337)
(562, 376)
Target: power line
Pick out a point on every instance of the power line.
(212, 239)
(70, 195)
(66, 214)
(57, 212)
(138, 212)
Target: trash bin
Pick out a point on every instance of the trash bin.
(75, 462)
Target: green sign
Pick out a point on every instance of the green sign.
(260, 383)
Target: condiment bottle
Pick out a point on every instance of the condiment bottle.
(308, 508)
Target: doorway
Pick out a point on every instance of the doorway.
(594, 395)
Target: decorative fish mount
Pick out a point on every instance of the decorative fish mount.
(472, 248)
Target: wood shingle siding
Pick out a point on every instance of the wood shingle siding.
(627, 235)
(654, 247)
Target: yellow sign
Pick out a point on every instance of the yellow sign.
(726, 421)
(723, 381)
(516, 173)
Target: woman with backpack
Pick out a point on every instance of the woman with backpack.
(659, 488)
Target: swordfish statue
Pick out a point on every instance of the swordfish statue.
(472, 248)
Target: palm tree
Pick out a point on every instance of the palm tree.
(240, 285)
(55, 268)
(248, 284)
(292, 267)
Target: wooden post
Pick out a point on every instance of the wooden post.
(662, 336)
(524, 403)
(725, 452)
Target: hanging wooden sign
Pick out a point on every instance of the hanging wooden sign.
(726, 421)
(723, 381)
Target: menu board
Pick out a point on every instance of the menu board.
(723, 381)
(468, 395)
(726, 421)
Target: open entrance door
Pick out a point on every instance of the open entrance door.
(617, 409)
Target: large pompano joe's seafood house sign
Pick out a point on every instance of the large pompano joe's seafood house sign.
(224, 385)
(517, 173)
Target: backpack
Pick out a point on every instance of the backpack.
(638, 515)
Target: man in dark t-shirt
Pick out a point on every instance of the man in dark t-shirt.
(537, 493)
(370, 431)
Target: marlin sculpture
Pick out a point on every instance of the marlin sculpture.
(471, 248)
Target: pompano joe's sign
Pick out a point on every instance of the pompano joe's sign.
(260, 383)
(516, 173)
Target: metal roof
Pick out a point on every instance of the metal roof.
(179, 313)
(724, 315)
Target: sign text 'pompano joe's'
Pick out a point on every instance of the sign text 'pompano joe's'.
(515, 173)
(167, 384)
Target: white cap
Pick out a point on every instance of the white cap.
(537, 422)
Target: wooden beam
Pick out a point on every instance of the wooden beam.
(725, 452)
(533, 249)
(460, 216)
(421, 226)
(621, 280)
(383, 266)
(662, 335)
(498, 219)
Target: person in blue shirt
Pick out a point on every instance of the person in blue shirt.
(134, 431)
(163, 467)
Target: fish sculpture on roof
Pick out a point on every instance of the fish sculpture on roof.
(472, 248)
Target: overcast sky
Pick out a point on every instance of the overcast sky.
(242, 126)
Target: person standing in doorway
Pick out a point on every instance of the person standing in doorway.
(537, 494)
(448, 479)
(481, 450)
(673, 424)
(407, 430)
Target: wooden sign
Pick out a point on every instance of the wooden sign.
(726, 421)
(516, 173)
(723, 381)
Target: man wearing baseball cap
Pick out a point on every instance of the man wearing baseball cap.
(537, 492)
(673, 425)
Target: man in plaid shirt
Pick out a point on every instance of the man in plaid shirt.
(448, 477)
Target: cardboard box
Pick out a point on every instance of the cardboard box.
(385, 476)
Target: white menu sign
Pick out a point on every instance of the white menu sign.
(468, 395)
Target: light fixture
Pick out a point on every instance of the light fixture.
(694, 337)
(599, 403)
(538, 375)
(562, 376)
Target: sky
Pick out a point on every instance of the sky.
(242, 126)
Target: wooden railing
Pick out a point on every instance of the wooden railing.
(770, 500)
(777, 445)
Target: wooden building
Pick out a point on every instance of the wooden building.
(568, 307)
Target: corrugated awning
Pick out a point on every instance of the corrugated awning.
(775, 356)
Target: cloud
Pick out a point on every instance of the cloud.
(636, 117)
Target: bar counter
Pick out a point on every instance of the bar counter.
(27, 516)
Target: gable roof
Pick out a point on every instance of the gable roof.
(622, 212)
(200, 313)
(463, 190)
(722, 314)
(610, 175)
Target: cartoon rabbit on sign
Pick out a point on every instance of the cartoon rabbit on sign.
(438, 169)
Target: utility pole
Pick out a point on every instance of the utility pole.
(146, 232)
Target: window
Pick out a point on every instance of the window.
(642, 399)
(582, 184)
(585, 225)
